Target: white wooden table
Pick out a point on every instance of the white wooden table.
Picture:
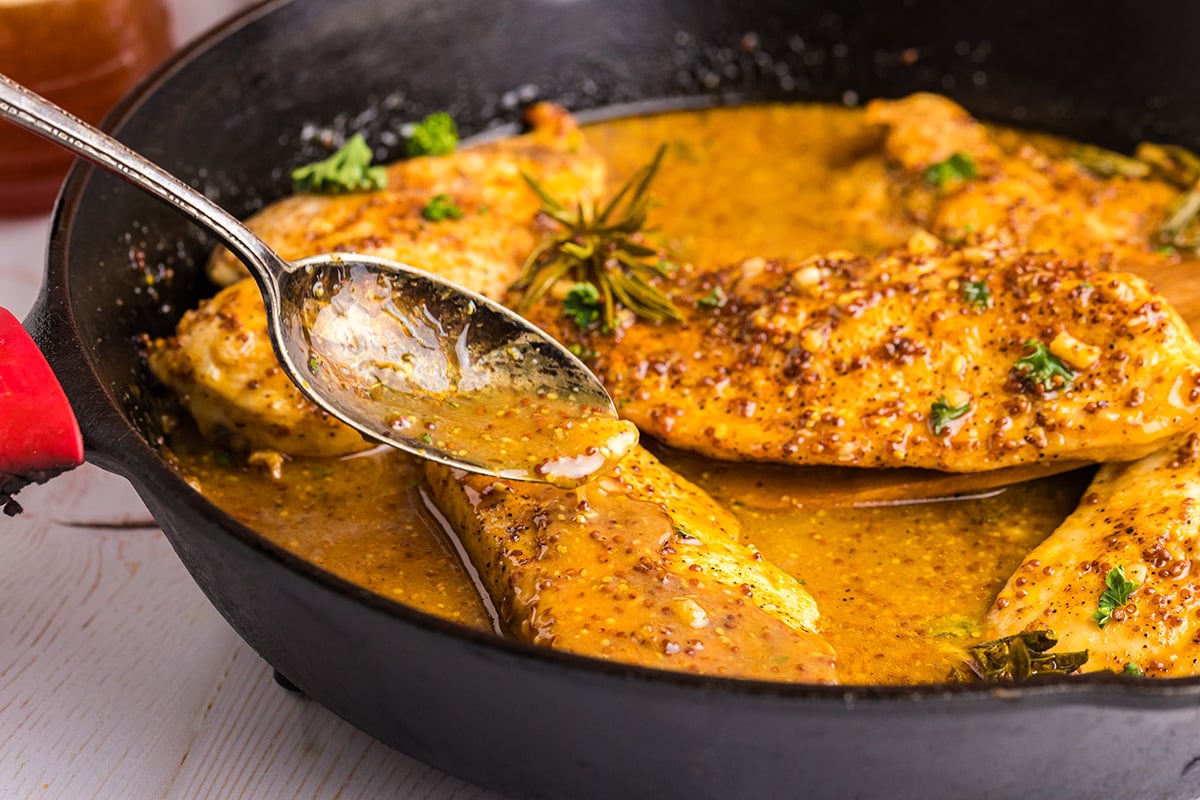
(118, 679)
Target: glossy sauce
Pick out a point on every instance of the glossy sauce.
(444, 377)
(900, 589)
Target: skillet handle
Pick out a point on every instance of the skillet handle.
(39, 436)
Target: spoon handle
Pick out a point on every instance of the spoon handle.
(42, 117)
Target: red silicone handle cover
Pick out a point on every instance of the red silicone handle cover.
(38, 431)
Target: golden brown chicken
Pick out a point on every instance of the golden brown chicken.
(1116, 577)
(952, 358)
(959, 180)
(641, 567)
(220, 361)
(221, 365)
(483, 249)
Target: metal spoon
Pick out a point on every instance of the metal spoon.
(403, 356)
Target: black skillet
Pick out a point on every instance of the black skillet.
(229, 114)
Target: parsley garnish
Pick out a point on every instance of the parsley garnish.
(976, 293)
(1116, 594)
(347, 170)
(1133, 670)
(314, 363)
(441, 208)
(714, 299)
(958, 167)
(436, 135)
(427, 438)
(581, 352)
(1041, 366)
(941, 413)
(582, 304)
(686, 535)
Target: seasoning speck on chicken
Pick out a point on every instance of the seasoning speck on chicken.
(641, 567)
(1116, 578)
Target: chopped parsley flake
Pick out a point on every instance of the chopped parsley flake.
(581, 352)
(347, 170)
(314, 363)
(441, 208)
(436, 135)
(1041, 366)
(958, 167)
(941, 413)
(427, 438)
(976, 293)
(1116, 594)
(582, 304)
(714, 299)
(1133, 670)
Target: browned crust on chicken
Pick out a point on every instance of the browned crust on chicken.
(1145, 518)
(640, 567)
(840, 360)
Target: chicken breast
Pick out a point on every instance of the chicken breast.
(484, 249)
(961, 359)
(221, 365)
(1143, 518)
(640, 567)
(1040, 201)
(220, 361)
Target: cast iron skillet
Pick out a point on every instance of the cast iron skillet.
(229, 114)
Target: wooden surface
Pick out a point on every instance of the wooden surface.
(117, 678)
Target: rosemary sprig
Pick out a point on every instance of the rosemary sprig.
(1180, 229)
(1017, 658)
(602, 246)
(1105, 163)
(1172, 163)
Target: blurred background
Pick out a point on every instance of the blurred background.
(84, 54)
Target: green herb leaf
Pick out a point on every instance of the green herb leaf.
(1018, 657)
(441, 208)
(314, 363)
(582, 304)
(1041, 366)
(1116, 594)
(714, 299)
(427, 438)
(958, 167)
(685, 535)
(347, 170)
(977, 293)
(941, 413)
(1133, 670)
(581, 352)
(602, 246)
(436, 135)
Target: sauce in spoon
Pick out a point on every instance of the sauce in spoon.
(451, 379)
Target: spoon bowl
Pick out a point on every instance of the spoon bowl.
(404, 357)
